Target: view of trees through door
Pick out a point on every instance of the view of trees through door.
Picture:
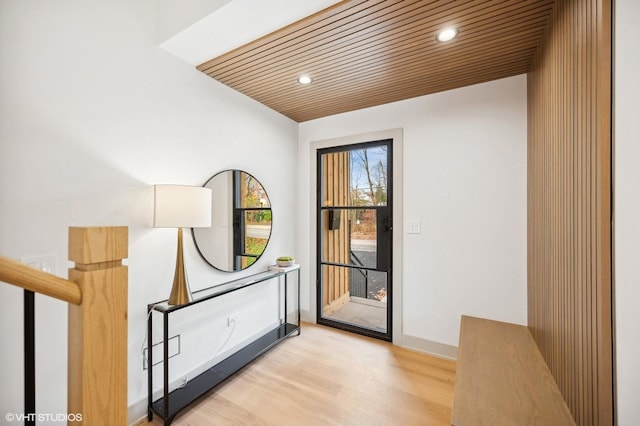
(354, 238)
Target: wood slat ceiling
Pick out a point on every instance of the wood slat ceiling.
(363, 53)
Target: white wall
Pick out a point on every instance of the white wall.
(627, 210)
(173, 17)
(464, 172)
(92, 113)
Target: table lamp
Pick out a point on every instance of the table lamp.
(181, 206)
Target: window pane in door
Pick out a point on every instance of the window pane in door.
(368, 173)
(355, 296)
(349, 237)
(355, 178)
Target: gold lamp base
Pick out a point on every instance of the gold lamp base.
(180, 293)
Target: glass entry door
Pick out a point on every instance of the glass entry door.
(354, 237)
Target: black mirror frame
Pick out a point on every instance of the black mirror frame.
(234, 219)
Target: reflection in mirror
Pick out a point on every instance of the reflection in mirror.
(240, 222)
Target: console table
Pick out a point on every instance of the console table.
(172, 402)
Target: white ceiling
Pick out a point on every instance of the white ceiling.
(232, 24)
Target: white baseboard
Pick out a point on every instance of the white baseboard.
(429, 346)
(308, 316)
(138, 419)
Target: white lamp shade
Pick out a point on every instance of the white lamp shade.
(181, 206)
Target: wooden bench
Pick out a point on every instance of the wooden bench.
(502, 379)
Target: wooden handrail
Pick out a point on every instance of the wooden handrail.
(21, 275)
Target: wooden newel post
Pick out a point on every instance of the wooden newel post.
(97, 382)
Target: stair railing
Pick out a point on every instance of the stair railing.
(96, 292)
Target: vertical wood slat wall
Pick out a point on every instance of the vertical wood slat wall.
(335, 249)
(569, 199)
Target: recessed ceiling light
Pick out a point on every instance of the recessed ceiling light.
(304, 79)
(447, 34)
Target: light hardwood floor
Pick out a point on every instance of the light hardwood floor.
(329, 377)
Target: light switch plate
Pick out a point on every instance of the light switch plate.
(413, 227)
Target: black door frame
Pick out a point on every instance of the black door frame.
(384, 245)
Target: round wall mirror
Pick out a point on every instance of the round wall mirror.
(240, 222)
